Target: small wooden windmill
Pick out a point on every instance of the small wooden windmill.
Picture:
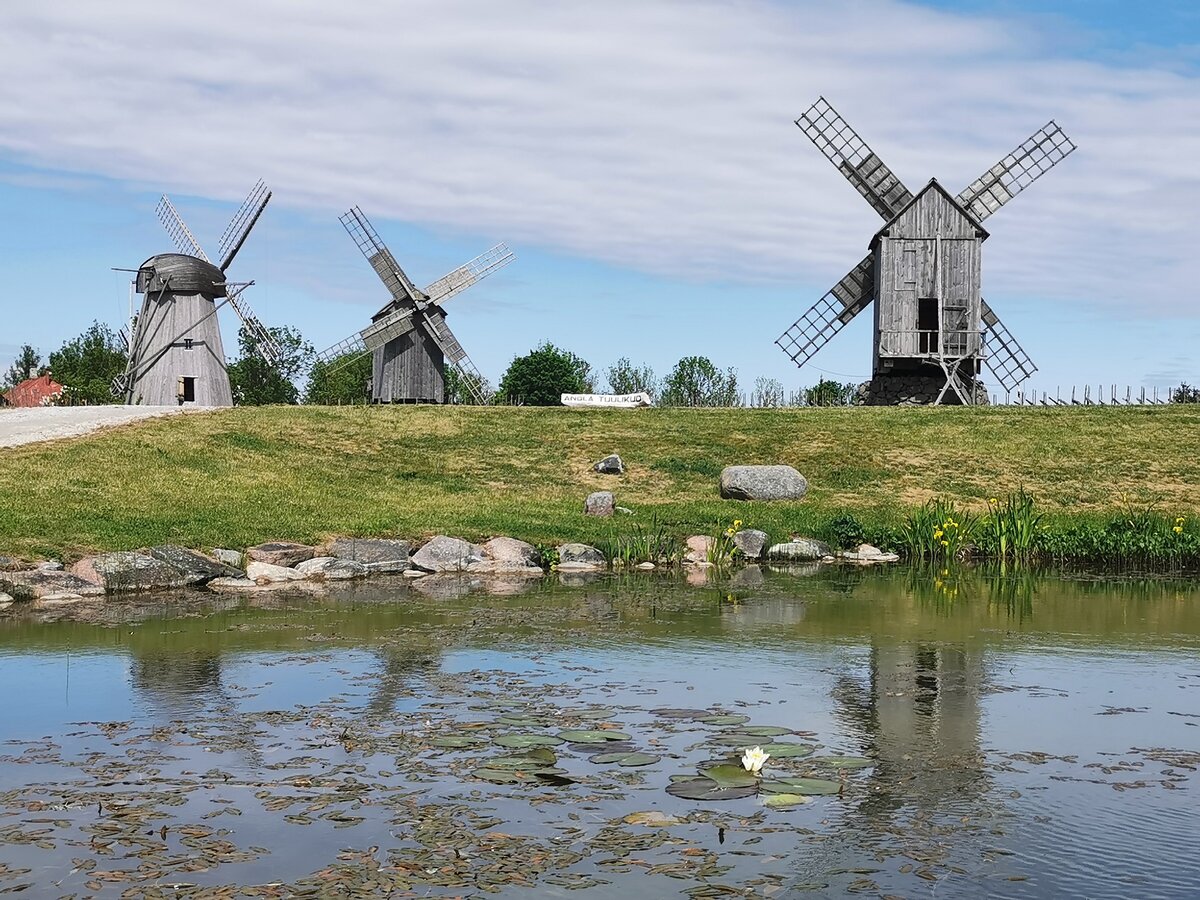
(409, 337)
(923, 272)
(175, 349)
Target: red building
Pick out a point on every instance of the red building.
(40, 391)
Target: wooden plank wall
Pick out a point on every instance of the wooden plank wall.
(166, 322)
(409, 369)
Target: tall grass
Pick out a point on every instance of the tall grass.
(1010, 528)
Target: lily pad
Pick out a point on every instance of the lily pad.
(497, 776)
(589, 714)
(457, 742)
(788, 750)
(844, 762)
(527, 741)
(764, 730)
(707, 789)
(724, 720)
(784, 801)
(737, 739)
(682, 713)
(534, 758)
(525, 721)
(729, 776)
(603, 747)
(626, 759)
(592, 736)
(806, 786)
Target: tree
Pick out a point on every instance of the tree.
(695, 381)
(87, 365)
(343, 379)
(541, 376)
(464, 389)
(28, 364)
(830, 393)
(1185, 393)
(626, 378)
(768, 393)
(256, 382)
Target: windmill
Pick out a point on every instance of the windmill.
(923, 272)
(175, 349)
(409, 338)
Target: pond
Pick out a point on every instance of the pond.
(930, 733)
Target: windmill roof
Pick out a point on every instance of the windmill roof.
(181, 274)
(933, 185)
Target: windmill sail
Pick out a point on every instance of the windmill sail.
(181, 235)
(1006, 359)
(1036, 156)
(240, 225)
(851, 156)
(264, 341)
(367, 240)
(831, 313)
(472, 379)
(466, 275)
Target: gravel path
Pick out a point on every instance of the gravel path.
(48, 423)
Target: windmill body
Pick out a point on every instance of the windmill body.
(933, 329)
(409, 368)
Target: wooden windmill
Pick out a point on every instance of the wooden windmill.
(923, 272)
(175, 349)
(409, 337)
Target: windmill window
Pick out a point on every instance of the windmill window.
(187, 343)
(189, 390)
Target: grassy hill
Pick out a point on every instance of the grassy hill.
(240, 476)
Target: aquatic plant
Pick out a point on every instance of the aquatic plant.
(656, 543)
(937, 530)
(1010, 528)
(721, 548)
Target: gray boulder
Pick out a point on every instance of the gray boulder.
(447, 554)
(34, 584)
(580, 558)
(6, 600)
(800, 550)
(599, 503)
(750, 542)
(128, 571)
(610, 465)
(867, 554)
(505, 554)
(377, 554)
(332, 569)
(267, 573)
(195, 568)
(234, 558)
(762, 483)
(280, 553)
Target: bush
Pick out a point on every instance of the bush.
(626, 378)
(343, 379)
(695, 381)
(87, 365)
(544, 374)
(830, 393)
(256, 382)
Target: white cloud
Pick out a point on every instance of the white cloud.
(655, 135)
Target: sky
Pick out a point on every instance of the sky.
(640, 159)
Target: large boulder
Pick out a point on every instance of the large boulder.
(280, 553)
(447, 554)
(610, 465)
(128, 571)
(762, 483)
(750, 542)
(599, 503)
(196, 568)
(580, 558)
(267, 573)
(377, 554)
(34, 584)
(800, 549)
(331, 568)
(505, 554)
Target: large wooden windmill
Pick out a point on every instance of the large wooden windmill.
(175, 349)
(409, 338)
(933, 329)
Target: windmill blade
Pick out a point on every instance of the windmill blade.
(267, 348)
(850, 154)
(1005, 357)
(831, 313)
(390, 327)
(472, 379)
(380, 257)
(239, 226)
(465, 276)
(181, 236)
(1040, 153)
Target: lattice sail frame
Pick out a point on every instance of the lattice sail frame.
(831, 313)
(1033, 158)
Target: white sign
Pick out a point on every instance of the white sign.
(609, 401)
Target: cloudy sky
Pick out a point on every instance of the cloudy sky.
(639, 157)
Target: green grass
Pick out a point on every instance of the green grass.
(246, 475)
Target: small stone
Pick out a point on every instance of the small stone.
(762, 483)
(128, 571)
(6, 600)
(623, 510)
(599, 503)
(415, 573)
(447, 554)
(800, 549)
(750, 542)
(63, 598)
(698, 547)
(232, 584)
(268, 573)
(580, 558)
(50, 565)
(645, 566)
(332, 569)
(281, 553)
(868, 554)
(377, 554)
(233, 558)
(610, 465)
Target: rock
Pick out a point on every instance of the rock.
(645, 566)
(268, 573)
(610, 465)
(235, 558)
(447, 554)
(50, 565)
(377, 554)
(33, 584)
(332, 569)
(281, 553)
(762, 483)
(194, 567)
(623, 510)
(505, 554)
(750, 542)
(232, 584)
(415, 573)
(580, 558)
(66, 598)
(800, 550)
(128, 571)
(599, 503)
(868, 554)
(698, 547)
(6, 600)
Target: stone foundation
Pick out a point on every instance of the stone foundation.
(914, 390)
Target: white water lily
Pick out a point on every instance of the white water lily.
(753, 759)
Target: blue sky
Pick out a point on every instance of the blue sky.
(640, 160)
